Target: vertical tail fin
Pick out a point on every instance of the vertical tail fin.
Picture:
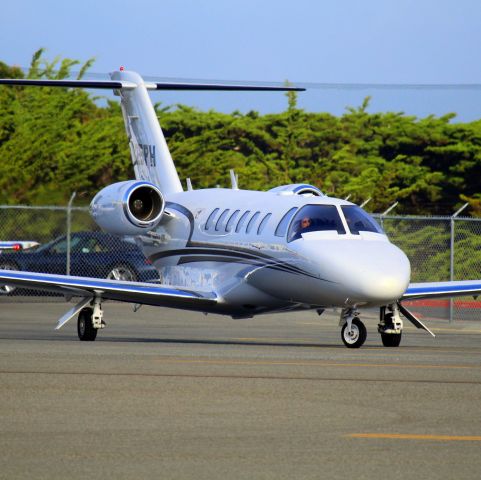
(150, 153)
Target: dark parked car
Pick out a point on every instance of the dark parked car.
(92, 254)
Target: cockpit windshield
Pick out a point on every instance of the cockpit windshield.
(315, 218)
(359, 221)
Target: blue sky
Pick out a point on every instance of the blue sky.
(342, 41)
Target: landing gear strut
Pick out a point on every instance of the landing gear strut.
(90, 321)
(353, 331)
(390, 326)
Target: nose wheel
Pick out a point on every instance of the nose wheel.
(353, 333)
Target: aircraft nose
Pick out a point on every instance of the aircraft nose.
(372, 272)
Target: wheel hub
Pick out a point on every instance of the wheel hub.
(352, 335)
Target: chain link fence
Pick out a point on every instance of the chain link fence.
(439, 248)
(69, 242)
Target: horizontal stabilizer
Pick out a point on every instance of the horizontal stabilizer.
(118, 85)
(108, 84)
(224, 87)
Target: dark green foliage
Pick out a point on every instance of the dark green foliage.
(55, 141)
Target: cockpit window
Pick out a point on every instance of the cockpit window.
(315, 218)
(359, 221)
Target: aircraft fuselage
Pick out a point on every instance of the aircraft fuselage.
(231, 241)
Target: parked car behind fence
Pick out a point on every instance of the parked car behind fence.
(92, 254)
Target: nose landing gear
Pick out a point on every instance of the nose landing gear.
(353, 331)
(390, 326)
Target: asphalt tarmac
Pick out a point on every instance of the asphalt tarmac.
(177, 395)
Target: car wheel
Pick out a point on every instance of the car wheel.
(122, 272)
(6, 289)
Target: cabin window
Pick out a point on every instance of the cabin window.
(210, 221)
(222, 217)
(281, 229)
(241, 221)
(252, 221)
(315, 218)
(359, 221)
(263, 223)
(232, 219)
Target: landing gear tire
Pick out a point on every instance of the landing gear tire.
(356, 337)
(391, 339)
(85, 329)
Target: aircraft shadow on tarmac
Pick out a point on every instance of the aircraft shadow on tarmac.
(175, 341)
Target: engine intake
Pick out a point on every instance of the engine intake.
(128, 208)
(145, 203)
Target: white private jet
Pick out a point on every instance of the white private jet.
(236, 252)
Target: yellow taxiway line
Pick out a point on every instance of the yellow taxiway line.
(312, 364)
(408, 436)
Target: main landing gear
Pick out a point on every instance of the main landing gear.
(90, 321)
(353, 332)
(390, 325)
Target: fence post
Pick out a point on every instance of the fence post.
(363, 204)
(451, 260)
(69, 227)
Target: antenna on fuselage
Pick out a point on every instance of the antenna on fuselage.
(189, 184)
(233, 179)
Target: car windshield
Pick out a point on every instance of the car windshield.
(47, 246)
(360, 221)
(315, 218)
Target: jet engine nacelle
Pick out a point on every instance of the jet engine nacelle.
(128, 208)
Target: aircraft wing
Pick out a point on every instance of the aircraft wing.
(462, 288)
(132, 292)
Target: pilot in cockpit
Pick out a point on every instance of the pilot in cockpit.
(305, 225)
